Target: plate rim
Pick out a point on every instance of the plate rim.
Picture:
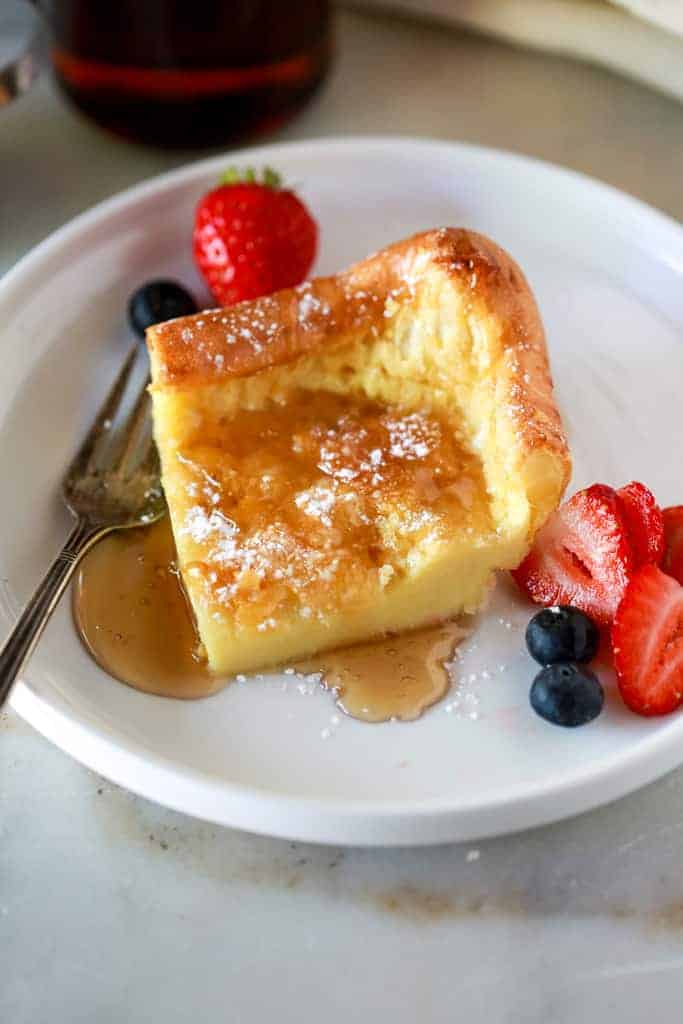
(159, 182)
(338, 820)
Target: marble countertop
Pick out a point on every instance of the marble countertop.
(113, 909)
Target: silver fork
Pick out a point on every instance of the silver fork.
(112, 484)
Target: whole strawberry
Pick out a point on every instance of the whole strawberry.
(252, 237)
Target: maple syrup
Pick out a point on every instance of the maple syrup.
(317, 503)
(180, 73)
(398, 677)
(132, 614)
(134, 618)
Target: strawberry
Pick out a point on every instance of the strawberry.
(644, 523)
(647, 639)
(252, 237)
(582, 556)
(673, 531)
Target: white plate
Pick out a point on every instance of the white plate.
(608, 273)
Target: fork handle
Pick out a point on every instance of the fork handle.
(32, 621)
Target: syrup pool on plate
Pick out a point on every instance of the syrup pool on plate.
(134, 618)
(132, 614)
(397, 677)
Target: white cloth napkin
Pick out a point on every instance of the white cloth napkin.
(640, 38)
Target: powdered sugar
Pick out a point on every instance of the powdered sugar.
(413, 436)
(310, 305)
(200, 526)
(317, 502)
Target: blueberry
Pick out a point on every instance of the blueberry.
(566, 694)
(562, 634)
(157, 301)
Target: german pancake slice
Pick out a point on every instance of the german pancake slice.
(358, 455)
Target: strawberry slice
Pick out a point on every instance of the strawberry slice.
(647, 639)
(673, 532)
(644, 523)
(582, 556)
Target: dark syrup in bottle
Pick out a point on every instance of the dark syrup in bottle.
(189, 72)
